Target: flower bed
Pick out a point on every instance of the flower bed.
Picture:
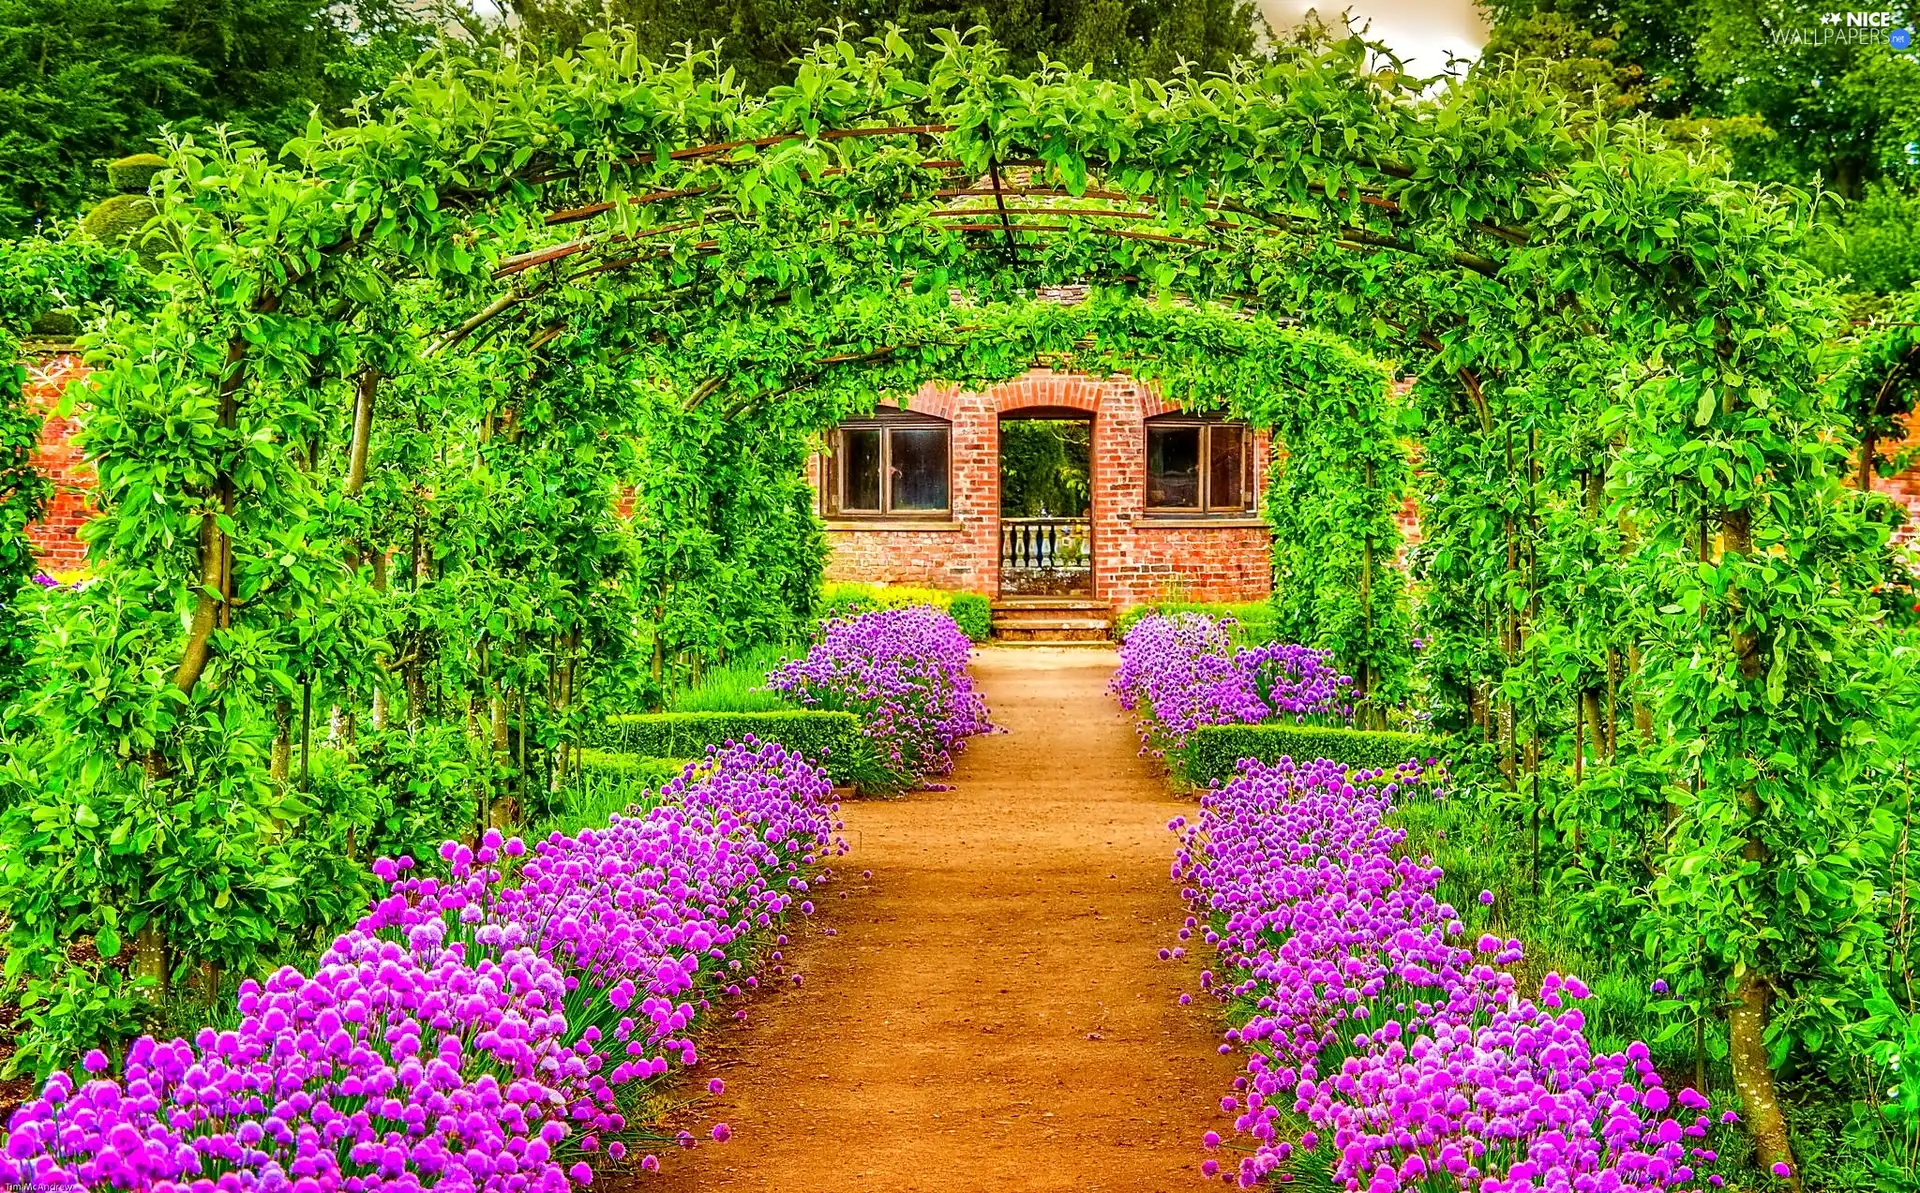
(1382, 1050)
(903, 672)
(472, 1032)
(1182, 672)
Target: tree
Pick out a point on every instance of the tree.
(1119, 38)
(86, 81)
(1764, 82)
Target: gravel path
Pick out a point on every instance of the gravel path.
(991, 1014)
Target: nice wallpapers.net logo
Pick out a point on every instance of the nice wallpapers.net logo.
(1878, 27)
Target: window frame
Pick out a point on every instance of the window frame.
(833, 489)
(1204, 507)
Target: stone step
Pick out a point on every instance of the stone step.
(1059, 630)
(1024, 614)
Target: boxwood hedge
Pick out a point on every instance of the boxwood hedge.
(1212, 751)
(831, 739)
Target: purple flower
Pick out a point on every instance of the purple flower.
(463, 1018)
(903, 672)
(1364, 1022)
(722, 1132)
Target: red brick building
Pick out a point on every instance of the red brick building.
(913, 497)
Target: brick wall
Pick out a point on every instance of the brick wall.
(1135, 558)
(54, 536)
(1905, 487)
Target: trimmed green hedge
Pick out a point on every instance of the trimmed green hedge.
(1212, 751)
(970, 611)
(637, 769)
(829, 738)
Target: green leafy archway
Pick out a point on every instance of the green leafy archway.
(530, 281)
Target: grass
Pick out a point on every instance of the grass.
(739, 686)
(607, 784)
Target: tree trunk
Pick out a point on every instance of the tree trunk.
(215, 557)
(150, 960)
(1747, 1021)
(280, 764)
(1596, 730)
(210, 983)
(1642, 714)
(1367, 678)
(380, 715)
(1613, 702)
(1753, 1076)
(363, 398)
(306, 734)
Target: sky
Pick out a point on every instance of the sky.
(1420, 31)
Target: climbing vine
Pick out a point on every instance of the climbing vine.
(363, 469)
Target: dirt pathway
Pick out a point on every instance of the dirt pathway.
(990, 1014)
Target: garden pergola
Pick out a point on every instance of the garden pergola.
(1634, 480)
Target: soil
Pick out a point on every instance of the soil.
(991, 1012)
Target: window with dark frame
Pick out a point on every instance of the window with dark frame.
(889, 466)
(1198, 466)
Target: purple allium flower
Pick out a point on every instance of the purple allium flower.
(722, 1132)
(903, 672)
(1781, 1170)
(716, 1086)
(1365, 1022)
(1486, 898)
(463, 1018)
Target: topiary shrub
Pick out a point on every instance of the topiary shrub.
(829, 739)
(120, 219)
(133, 174)
(1253, 620)
(55, 325)
(1212, 752)
(639, 770)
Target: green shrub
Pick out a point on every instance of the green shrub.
(606, 766)
(133, 175)
(1212, 751)
(122, 220)
(972, 612)
(1255, 618)
(829, 739)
